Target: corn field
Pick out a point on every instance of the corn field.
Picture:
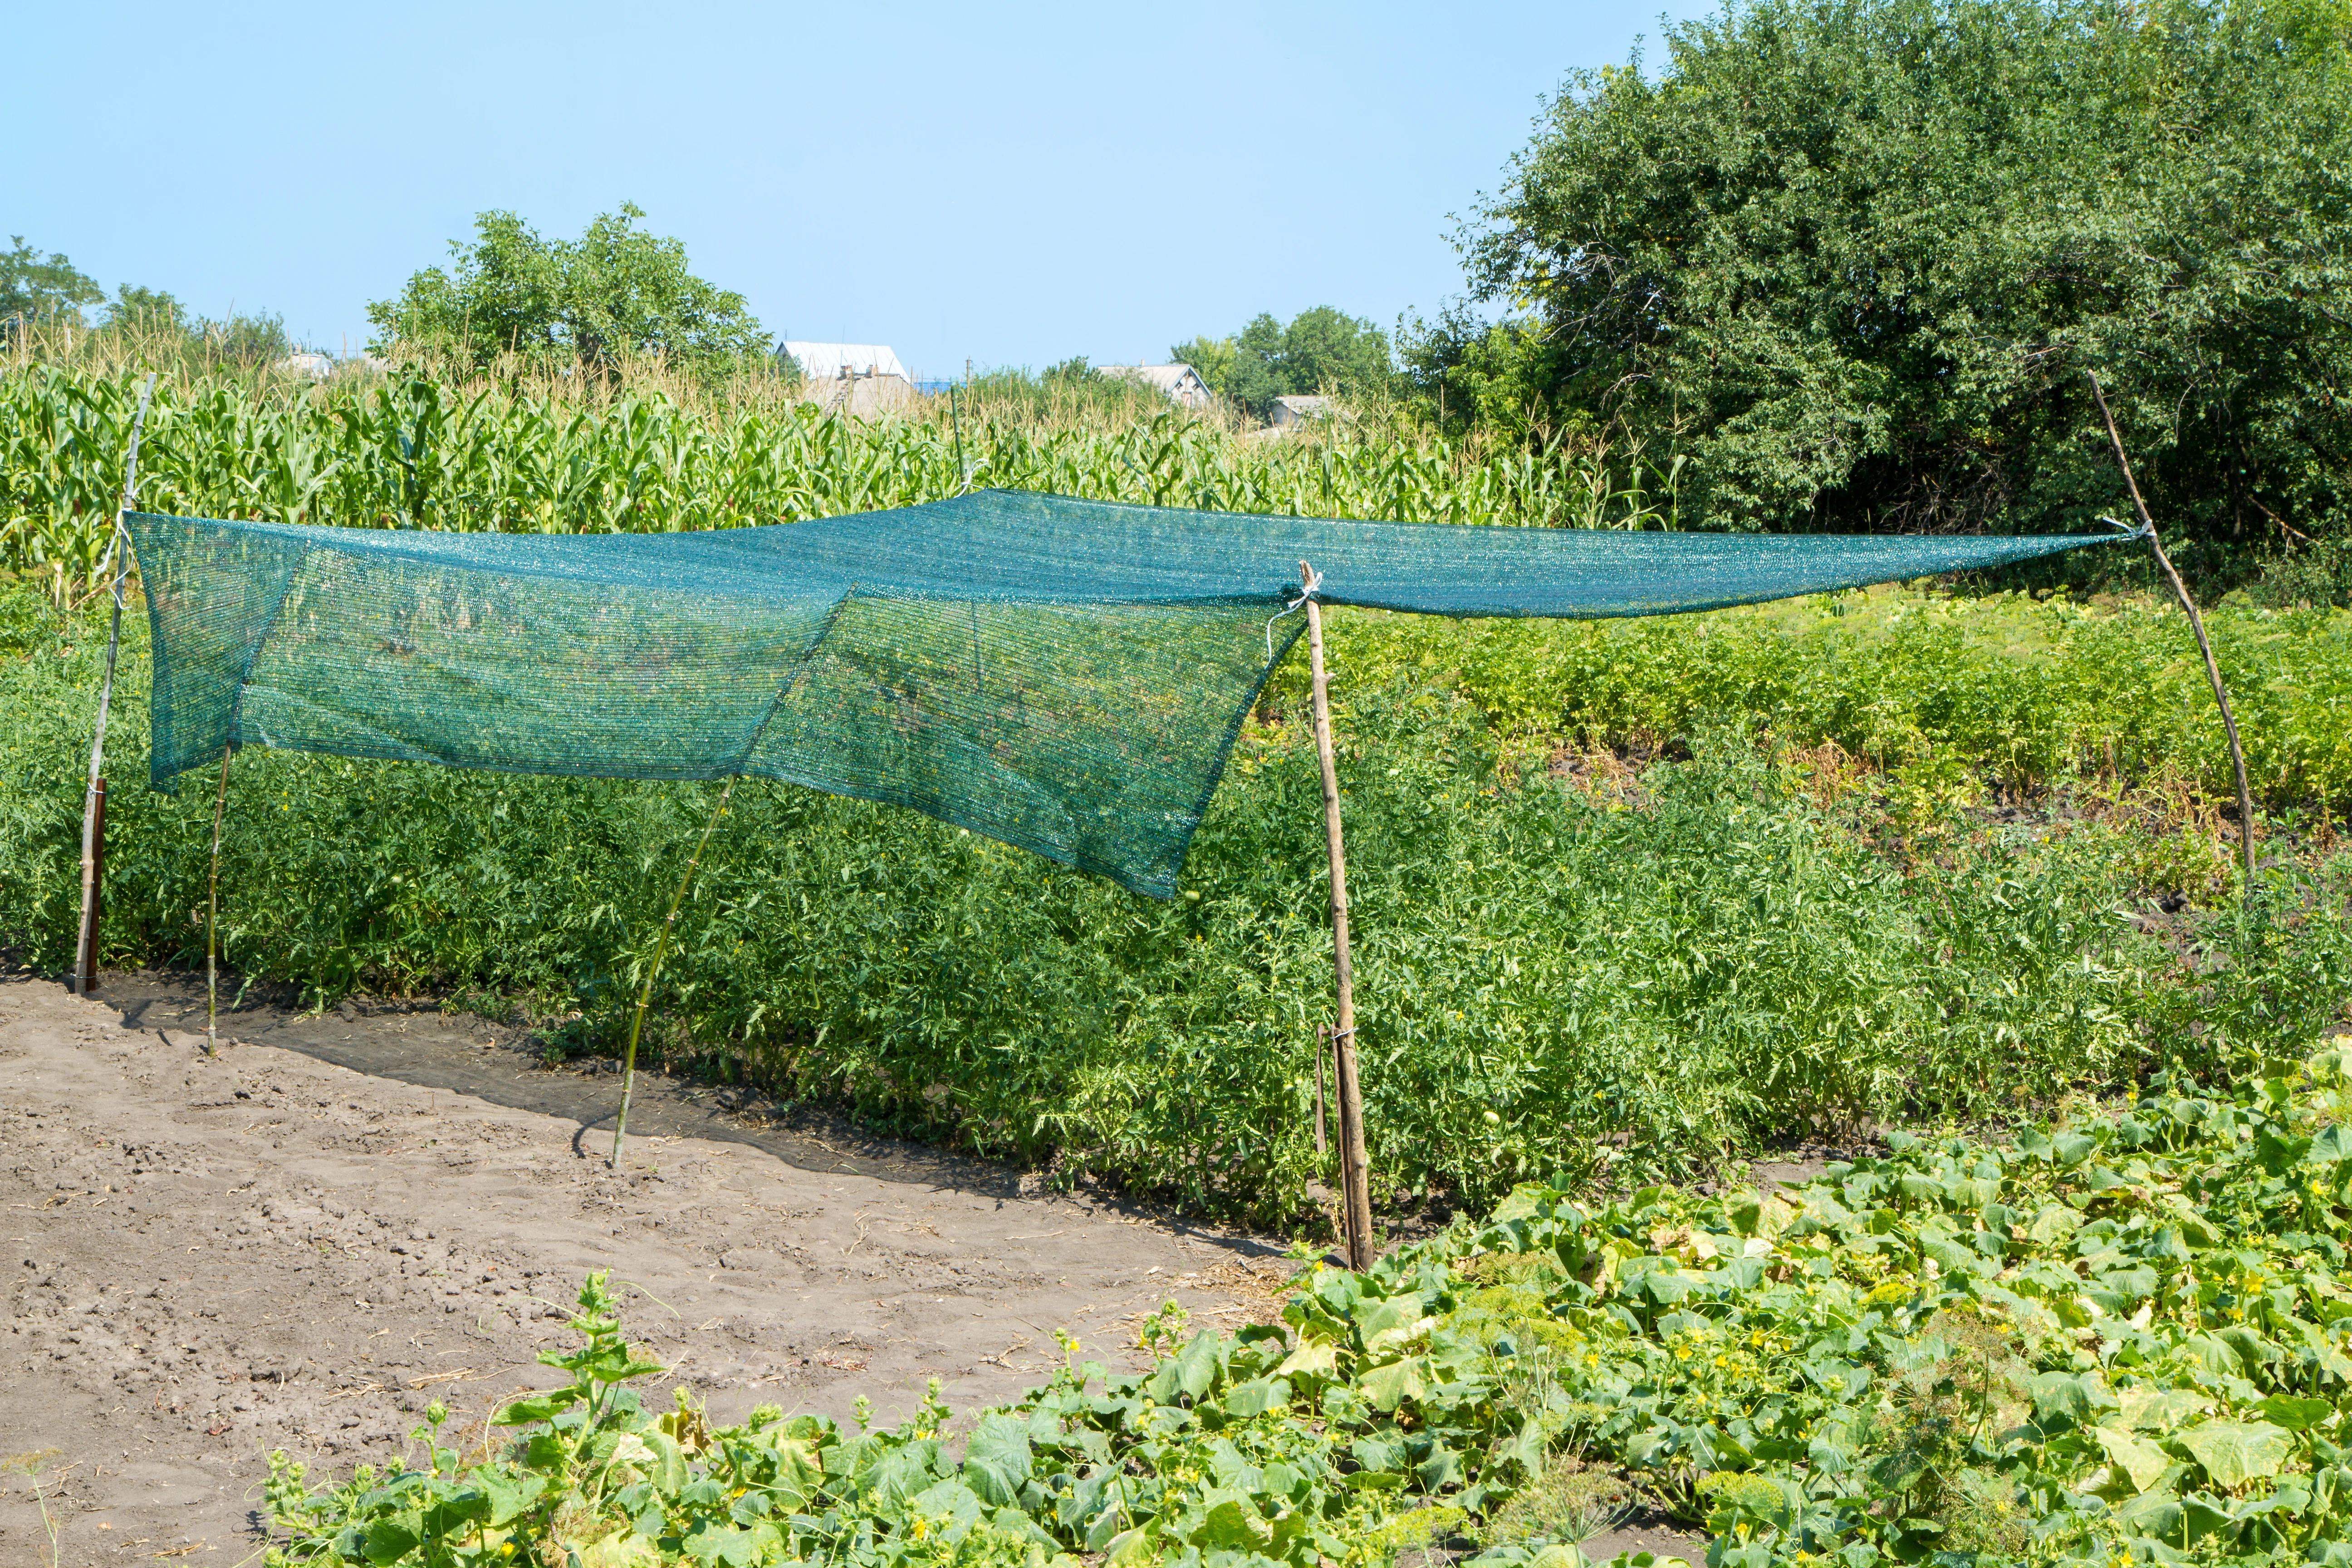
(413, 450)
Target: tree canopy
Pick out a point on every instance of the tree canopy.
(1858, 255)
(616, 291)
(33, 286)
(1322, 350)
(37, 290)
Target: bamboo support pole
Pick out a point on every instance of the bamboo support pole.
(2196, 625)
(86, 956)
(212, 916)
(661, 949)
(955, 423)
(1355, 1169)
(85, 979)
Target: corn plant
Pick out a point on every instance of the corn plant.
(414, 450)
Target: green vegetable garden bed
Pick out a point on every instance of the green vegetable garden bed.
(1564, 957)
(2119, 1341)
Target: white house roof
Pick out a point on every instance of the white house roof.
(1180, 383)
(824, 361)
(1166, 377)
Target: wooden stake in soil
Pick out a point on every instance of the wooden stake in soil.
(86, 947)
(645, 991)
(1355, 1169)
(211, 917)
(85, 960)
(2196, 625)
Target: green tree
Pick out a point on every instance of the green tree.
(1464, 370)
(1326, 350)
(617, 291)
(1255, 381)
(1322, 350)
(165, 330)
(33, 286)
(1211, 360)
(1863, 251)
(135, 307)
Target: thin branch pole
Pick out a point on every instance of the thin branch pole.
(85, 946)
(212, 916)
(85, 974)
(1355, 1169)
(2197, 624)
(661, 949)
(955, 423)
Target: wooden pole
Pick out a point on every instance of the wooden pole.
(1355, 1169)
(955, 421)
(2196, 625)
(212, 916)
(645, 991)
(86, 961)
(86, 942)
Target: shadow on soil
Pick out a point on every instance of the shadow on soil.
(417, 1043)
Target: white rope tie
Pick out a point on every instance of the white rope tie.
(1292, 608)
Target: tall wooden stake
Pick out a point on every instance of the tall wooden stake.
(2196, 625)
(85, 960)
(1355, 1169)
(955, 421)
(85, 946)
(645, 991)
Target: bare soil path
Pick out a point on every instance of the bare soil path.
(208, 1258)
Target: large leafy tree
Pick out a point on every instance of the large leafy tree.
(1326, 350)
(33, 286)
(1859, 255)
(616, 291)
(1322, 350)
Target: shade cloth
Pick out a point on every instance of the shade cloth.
(1064, 674)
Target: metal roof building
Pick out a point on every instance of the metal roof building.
(829, 362)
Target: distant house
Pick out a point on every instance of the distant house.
(1290, 411)
(1180, 383)
(850, 378)
(321, 367)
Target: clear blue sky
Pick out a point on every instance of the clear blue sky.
(1014, 183)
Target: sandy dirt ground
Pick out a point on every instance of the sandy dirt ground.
(301, 1242)
(208, 1258)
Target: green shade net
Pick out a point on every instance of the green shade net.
(1064, 674)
